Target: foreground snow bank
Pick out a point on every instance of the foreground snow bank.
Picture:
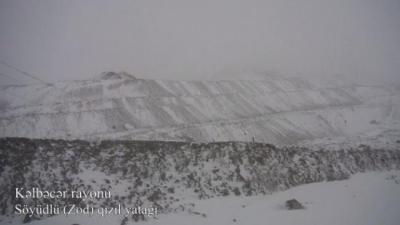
(371, 198)
(368, 199)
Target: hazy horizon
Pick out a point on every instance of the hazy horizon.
(195, 40)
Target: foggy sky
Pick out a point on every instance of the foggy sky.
(203, 39)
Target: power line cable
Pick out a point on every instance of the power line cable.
(5, 75)
(21, 71)
(13, 94)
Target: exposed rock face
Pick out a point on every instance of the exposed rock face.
(168, 175)
(293, 204)
(118, 106)
(114, 75)
(29, 218)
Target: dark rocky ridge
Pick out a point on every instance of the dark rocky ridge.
(169, 175)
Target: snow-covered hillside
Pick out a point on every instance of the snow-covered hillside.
(119, 106)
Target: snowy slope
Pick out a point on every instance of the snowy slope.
(367, 199)
(119, 106)
(372, 198)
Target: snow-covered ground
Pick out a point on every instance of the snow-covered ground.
(385, 135)
(365, 199)
(278, 110)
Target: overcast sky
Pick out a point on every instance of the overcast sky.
(203, 39)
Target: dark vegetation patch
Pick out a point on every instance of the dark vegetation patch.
(167, 174)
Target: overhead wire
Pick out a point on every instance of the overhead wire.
(8, 76)
(22, 72)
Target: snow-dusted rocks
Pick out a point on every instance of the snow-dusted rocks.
(114, 75)
(293, 204)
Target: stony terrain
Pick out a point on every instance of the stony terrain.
(171, 175)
